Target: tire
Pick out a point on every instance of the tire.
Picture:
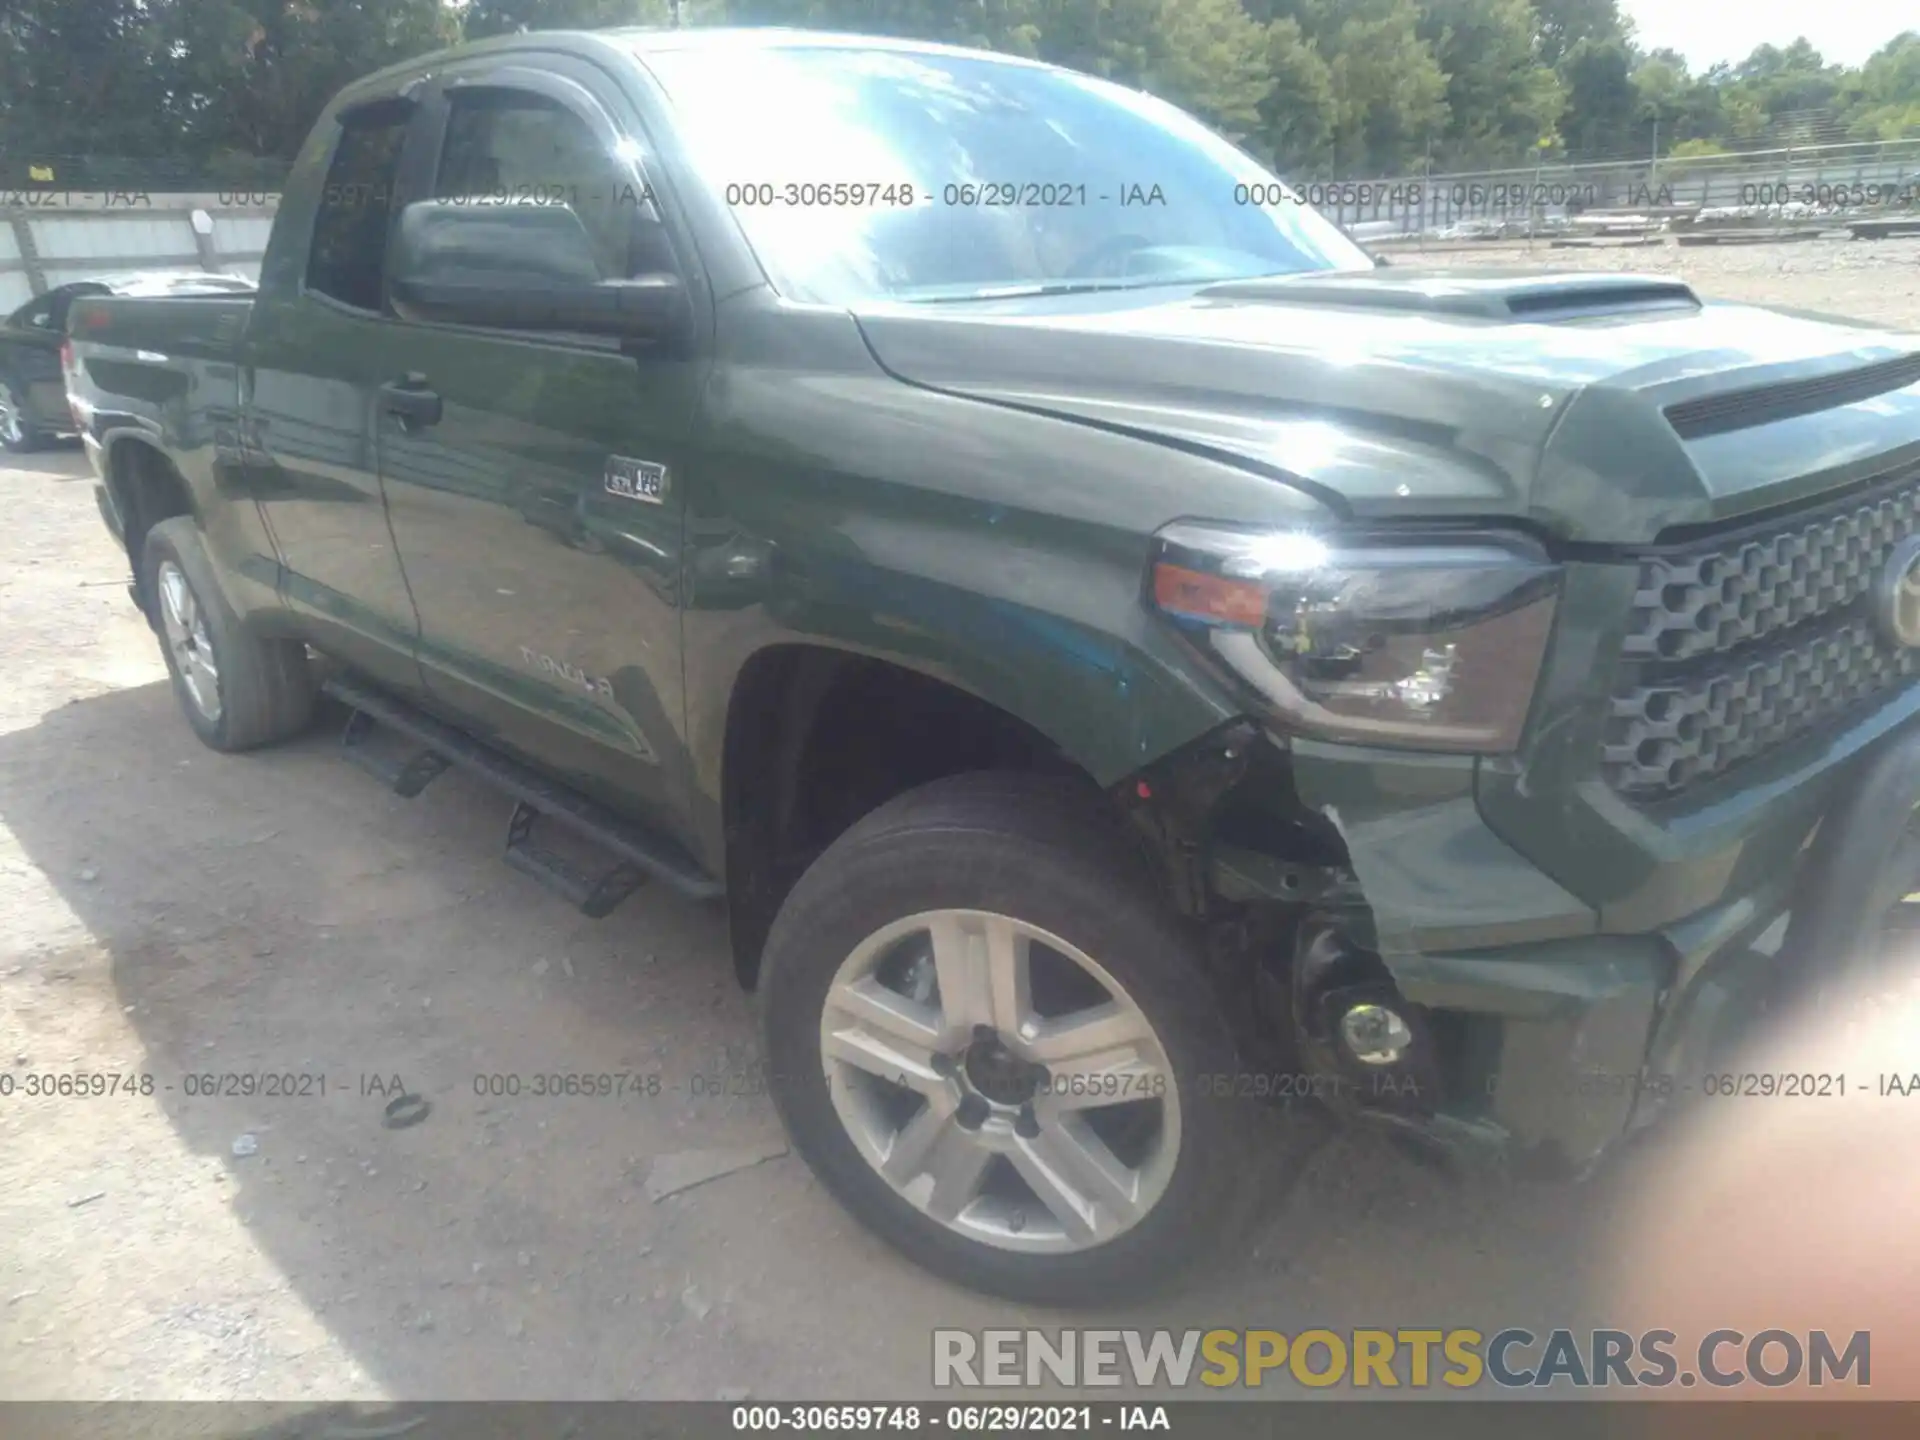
(261, 690)
(18, 433)
(1041, 855)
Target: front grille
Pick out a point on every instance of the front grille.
(1741, 642)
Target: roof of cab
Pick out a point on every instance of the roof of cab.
(638, 42)
(646, 40)
(641, 41)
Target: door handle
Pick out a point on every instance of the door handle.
(411, 401)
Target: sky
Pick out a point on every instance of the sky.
(1708, 30)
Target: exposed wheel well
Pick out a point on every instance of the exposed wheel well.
(146, 490)
(818, 738)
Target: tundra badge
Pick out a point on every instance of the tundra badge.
(636, 479)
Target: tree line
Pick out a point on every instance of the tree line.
(1320, 87)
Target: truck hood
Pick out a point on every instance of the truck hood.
(1604, 408)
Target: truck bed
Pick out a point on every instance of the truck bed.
(134, 355)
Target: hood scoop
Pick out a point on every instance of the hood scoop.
(1469, 295)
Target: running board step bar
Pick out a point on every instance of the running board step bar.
(645, 854)
(406, 777)
(592, 895)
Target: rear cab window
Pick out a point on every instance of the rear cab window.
(357, 201)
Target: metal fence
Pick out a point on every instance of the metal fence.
(49, 237)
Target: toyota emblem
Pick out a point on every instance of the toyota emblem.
(1897, 595)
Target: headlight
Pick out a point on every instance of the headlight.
(1431, 641)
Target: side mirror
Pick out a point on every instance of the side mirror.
(521, 267)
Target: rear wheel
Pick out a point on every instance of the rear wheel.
(992, 1042)
(236, 689)
(18, 427)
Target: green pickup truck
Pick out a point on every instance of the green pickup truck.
(1116, 652)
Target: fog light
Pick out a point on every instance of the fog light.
(1375, 1035)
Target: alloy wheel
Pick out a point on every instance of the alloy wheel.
(186, 630)
(1001, 1081)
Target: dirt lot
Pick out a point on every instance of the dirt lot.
(168, 912)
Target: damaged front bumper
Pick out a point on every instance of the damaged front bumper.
(1540, 1040)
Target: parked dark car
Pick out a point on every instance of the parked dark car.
(1115, 651)
(33, 400)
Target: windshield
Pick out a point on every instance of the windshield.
(864, 174)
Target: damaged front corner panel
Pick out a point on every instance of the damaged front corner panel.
(1173, 801)
(1434, 876)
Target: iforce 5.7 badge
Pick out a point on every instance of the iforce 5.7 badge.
(632, 479)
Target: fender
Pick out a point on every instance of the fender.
(981, 565)
(249, 587)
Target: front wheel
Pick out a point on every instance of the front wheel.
(992, 1042)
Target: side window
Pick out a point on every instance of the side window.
(350, 228)
(515, 147)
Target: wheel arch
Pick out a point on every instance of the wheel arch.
(145, 487)
(817, 736)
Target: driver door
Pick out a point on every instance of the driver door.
(546, 579)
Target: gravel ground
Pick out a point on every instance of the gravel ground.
(171, 913)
